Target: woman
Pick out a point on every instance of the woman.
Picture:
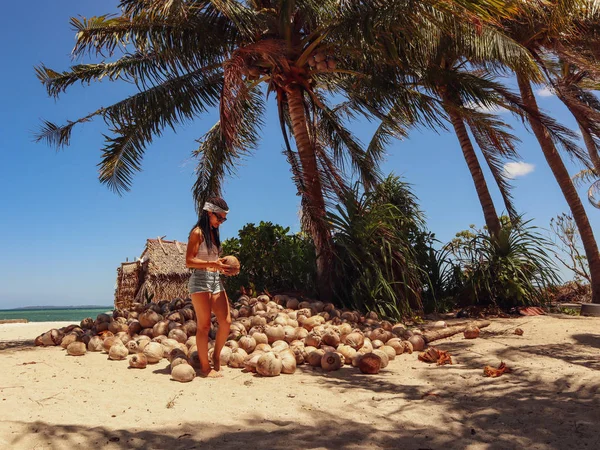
(205, 286)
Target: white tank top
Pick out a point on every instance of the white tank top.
(205, 255)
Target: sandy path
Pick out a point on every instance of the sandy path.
(550, 401)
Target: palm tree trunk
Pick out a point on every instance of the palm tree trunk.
(591, 148)
(566, 185)
(314, 193)
(487, 204)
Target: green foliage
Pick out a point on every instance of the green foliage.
(271, 259)
(569, 311)
(511, 270)
(375, 267)
(443, 278)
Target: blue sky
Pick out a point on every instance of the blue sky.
(65, 234)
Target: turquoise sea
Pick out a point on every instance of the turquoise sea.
(53, 315)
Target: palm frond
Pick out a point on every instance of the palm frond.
(497, 145)
(142, 69)
(199, 40)
(245, 20)
(122, 156)
(59, 136)
(218, 157)
(335, 135)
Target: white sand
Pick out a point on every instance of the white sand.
(550, 401)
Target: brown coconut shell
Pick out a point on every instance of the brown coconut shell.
(331, 361)
(417, 342)
(95, 344)
(331, 338)
(269, 365)
(178, 334)
(369, 363)
(471, 332)
(161, 328)
(355, 340)
(68, 339)
(76, 348)
(138, 361)
(184, 373)
(87, 323)
(134, 327)
(148, 318)
(314, 358)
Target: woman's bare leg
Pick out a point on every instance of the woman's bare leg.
(220, 306)
(202, 306)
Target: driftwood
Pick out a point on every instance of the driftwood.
(441, 333)
(3, 321)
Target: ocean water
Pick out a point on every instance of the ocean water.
(54, 315)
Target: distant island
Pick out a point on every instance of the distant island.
(26, 308)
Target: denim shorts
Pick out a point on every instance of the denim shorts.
(205, 281)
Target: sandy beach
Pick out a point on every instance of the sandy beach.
(551, 400)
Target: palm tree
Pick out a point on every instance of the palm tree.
(188, 56)
(456, 73)
(541, 28)
(461, 88)
(574, 86)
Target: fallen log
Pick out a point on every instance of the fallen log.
(442, 333)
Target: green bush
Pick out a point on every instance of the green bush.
(443, 278)
(271, 259)
(376, 267)
(512, 270)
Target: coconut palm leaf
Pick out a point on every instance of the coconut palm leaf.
(217, 157)
(497, 145)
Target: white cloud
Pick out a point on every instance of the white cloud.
(517, 169)
(545, 92)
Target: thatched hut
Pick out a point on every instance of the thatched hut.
(159, 274)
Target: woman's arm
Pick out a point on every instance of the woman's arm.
(191, 259)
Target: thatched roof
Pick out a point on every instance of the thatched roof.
(165, 257)
(160, 272)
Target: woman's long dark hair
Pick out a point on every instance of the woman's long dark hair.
(204, 224)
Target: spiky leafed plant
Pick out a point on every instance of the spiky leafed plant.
(187, 56)
(376, 265)
(513, 269)
(553, 26)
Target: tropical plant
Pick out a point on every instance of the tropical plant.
(513, 269)
(443, 278)
(556, 27)
(189, 56)
(574, 87)
(272, 259)
(459, 73)
(376, 267)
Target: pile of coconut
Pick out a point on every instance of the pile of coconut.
(268, 336)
